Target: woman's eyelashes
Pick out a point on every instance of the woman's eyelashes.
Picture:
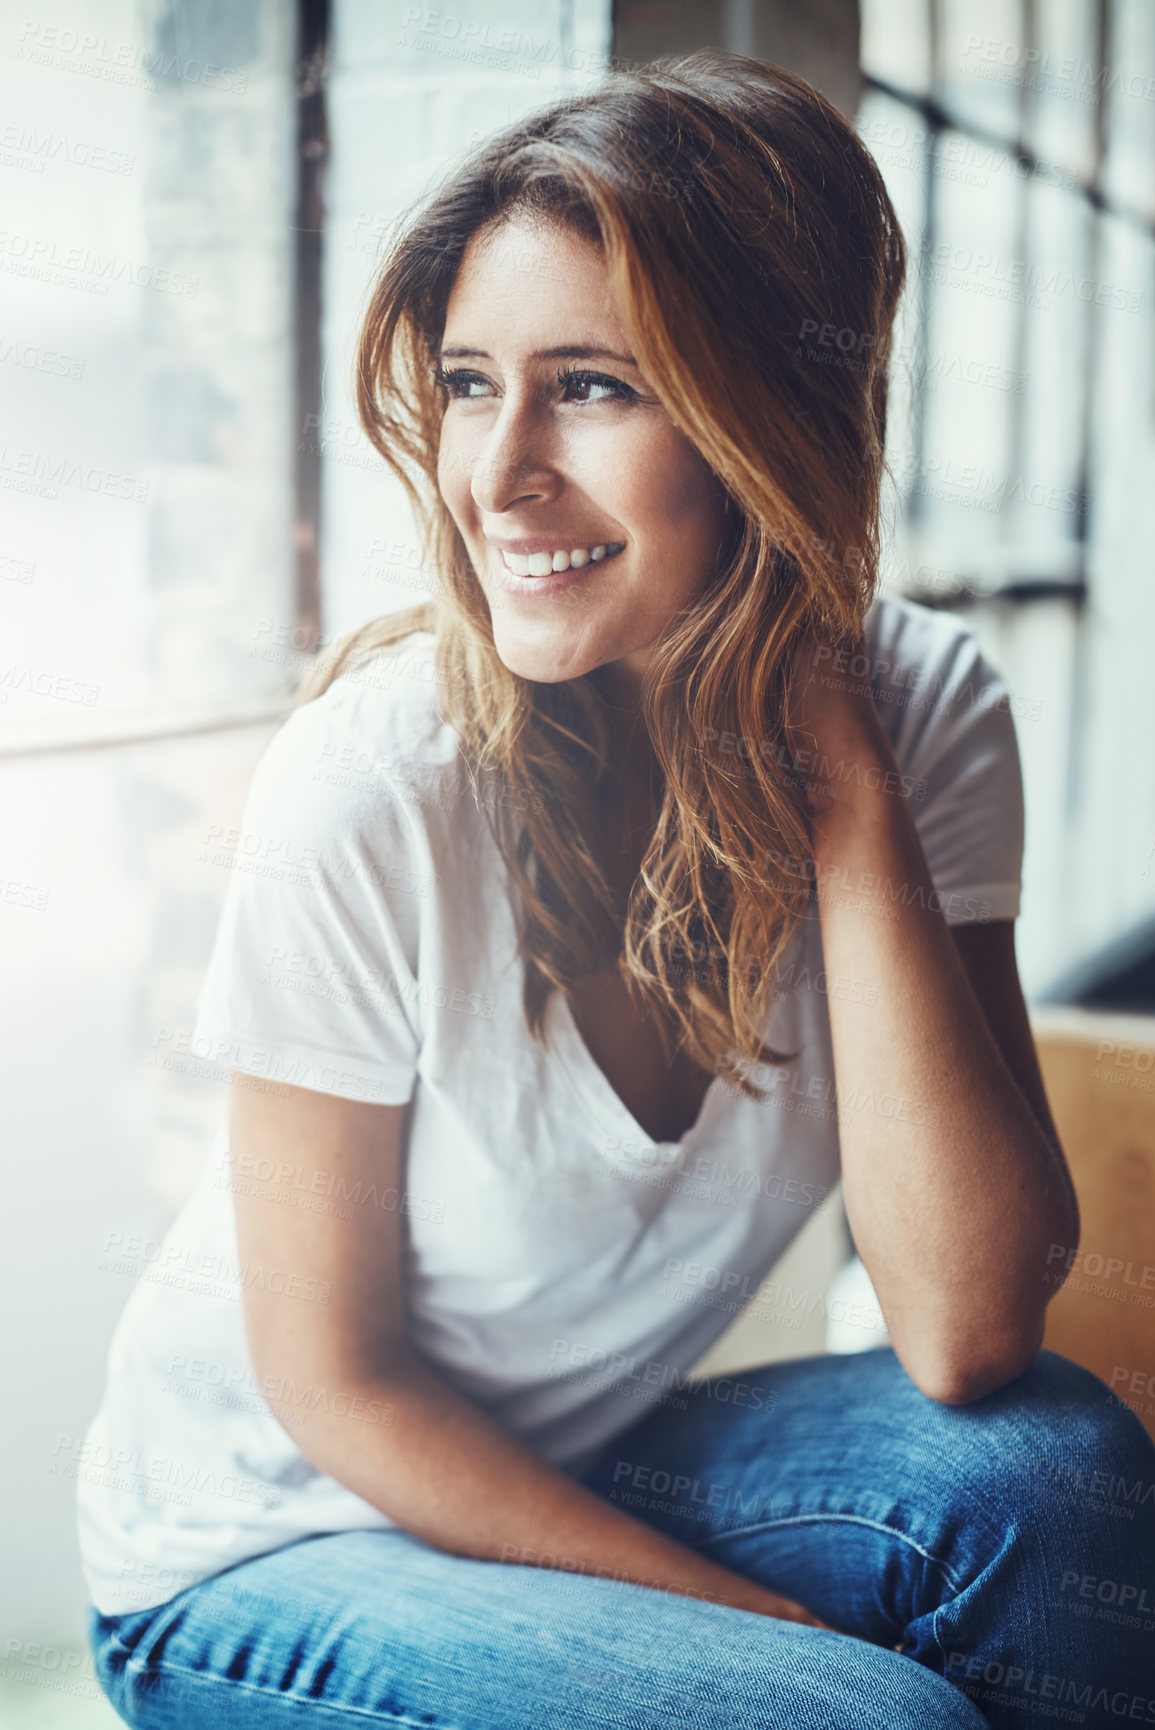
(456, 383)
(567, 375)
(454, 380)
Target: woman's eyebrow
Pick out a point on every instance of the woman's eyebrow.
(457, 351)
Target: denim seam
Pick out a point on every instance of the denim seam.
(935, 1632)
(847, 1519)
(289, 1699)
(1012, 1535)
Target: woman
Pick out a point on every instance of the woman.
(587, 923)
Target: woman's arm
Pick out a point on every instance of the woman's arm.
(391, 1429)
(956, 1186)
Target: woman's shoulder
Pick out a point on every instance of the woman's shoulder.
(372, 741)
(950, 717)
(378, 717)
(929, 673)
(385, 702)
(904, 639)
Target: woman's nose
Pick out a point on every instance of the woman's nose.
(513, 464)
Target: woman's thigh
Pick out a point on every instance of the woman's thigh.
(375, 1627)
(1008, 1544)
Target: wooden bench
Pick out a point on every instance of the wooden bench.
(1099, 1071)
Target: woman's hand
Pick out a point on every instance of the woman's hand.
(836, 734)
(766, 1603)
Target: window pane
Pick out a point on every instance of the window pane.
(1129, 93)
(147, 258)
(1059, 306)
(145, 387)
(899, 140)
(895, 42)
(959, 489)
(981, 61)
(1060, 86)
(1114, 876)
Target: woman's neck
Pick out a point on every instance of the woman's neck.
(632, 753)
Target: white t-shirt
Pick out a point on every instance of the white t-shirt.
(563, 1269)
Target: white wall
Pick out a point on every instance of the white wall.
(147, 187)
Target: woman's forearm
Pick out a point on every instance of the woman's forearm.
(953, 1190)
(439, 1466)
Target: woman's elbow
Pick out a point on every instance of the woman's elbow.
(959, 1379)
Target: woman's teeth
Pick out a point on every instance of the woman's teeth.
(541, 564)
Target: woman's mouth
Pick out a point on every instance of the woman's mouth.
(573, 558)
(547, 573)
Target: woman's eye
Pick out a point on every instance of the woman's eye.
(595, 381)
(455, 380)
(577, 386)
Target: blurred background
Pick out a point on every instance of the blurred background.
(195, 195)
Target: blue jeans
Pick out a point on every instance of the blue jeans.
(1008, 1547)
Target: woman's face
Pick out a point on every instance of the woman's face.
(536, 467)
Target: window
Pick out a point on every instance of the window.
(1013, 139)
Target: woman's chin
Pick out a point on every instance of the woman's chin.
(546, 663)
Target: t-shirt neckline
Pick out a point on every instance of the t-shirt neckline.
(593, 1087)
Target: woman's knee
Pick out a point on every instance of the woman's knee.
(1073, 1415)
(1054, 1404)
(1054, 1429)
(1053, 1449)
(843, 1681)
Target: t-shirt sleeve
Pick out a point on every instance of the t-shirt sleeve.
(957, 745)
(312, 976)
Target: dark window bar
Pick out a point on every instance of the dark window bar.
(313, 25)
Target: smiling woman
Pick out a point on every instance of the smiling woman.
(739, 481)
(623, 821)
(538, 463)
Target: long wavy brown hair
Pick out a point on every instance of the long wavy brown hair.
(756, 262)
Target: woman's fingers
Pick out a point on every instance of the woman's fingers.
(788, 1610)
